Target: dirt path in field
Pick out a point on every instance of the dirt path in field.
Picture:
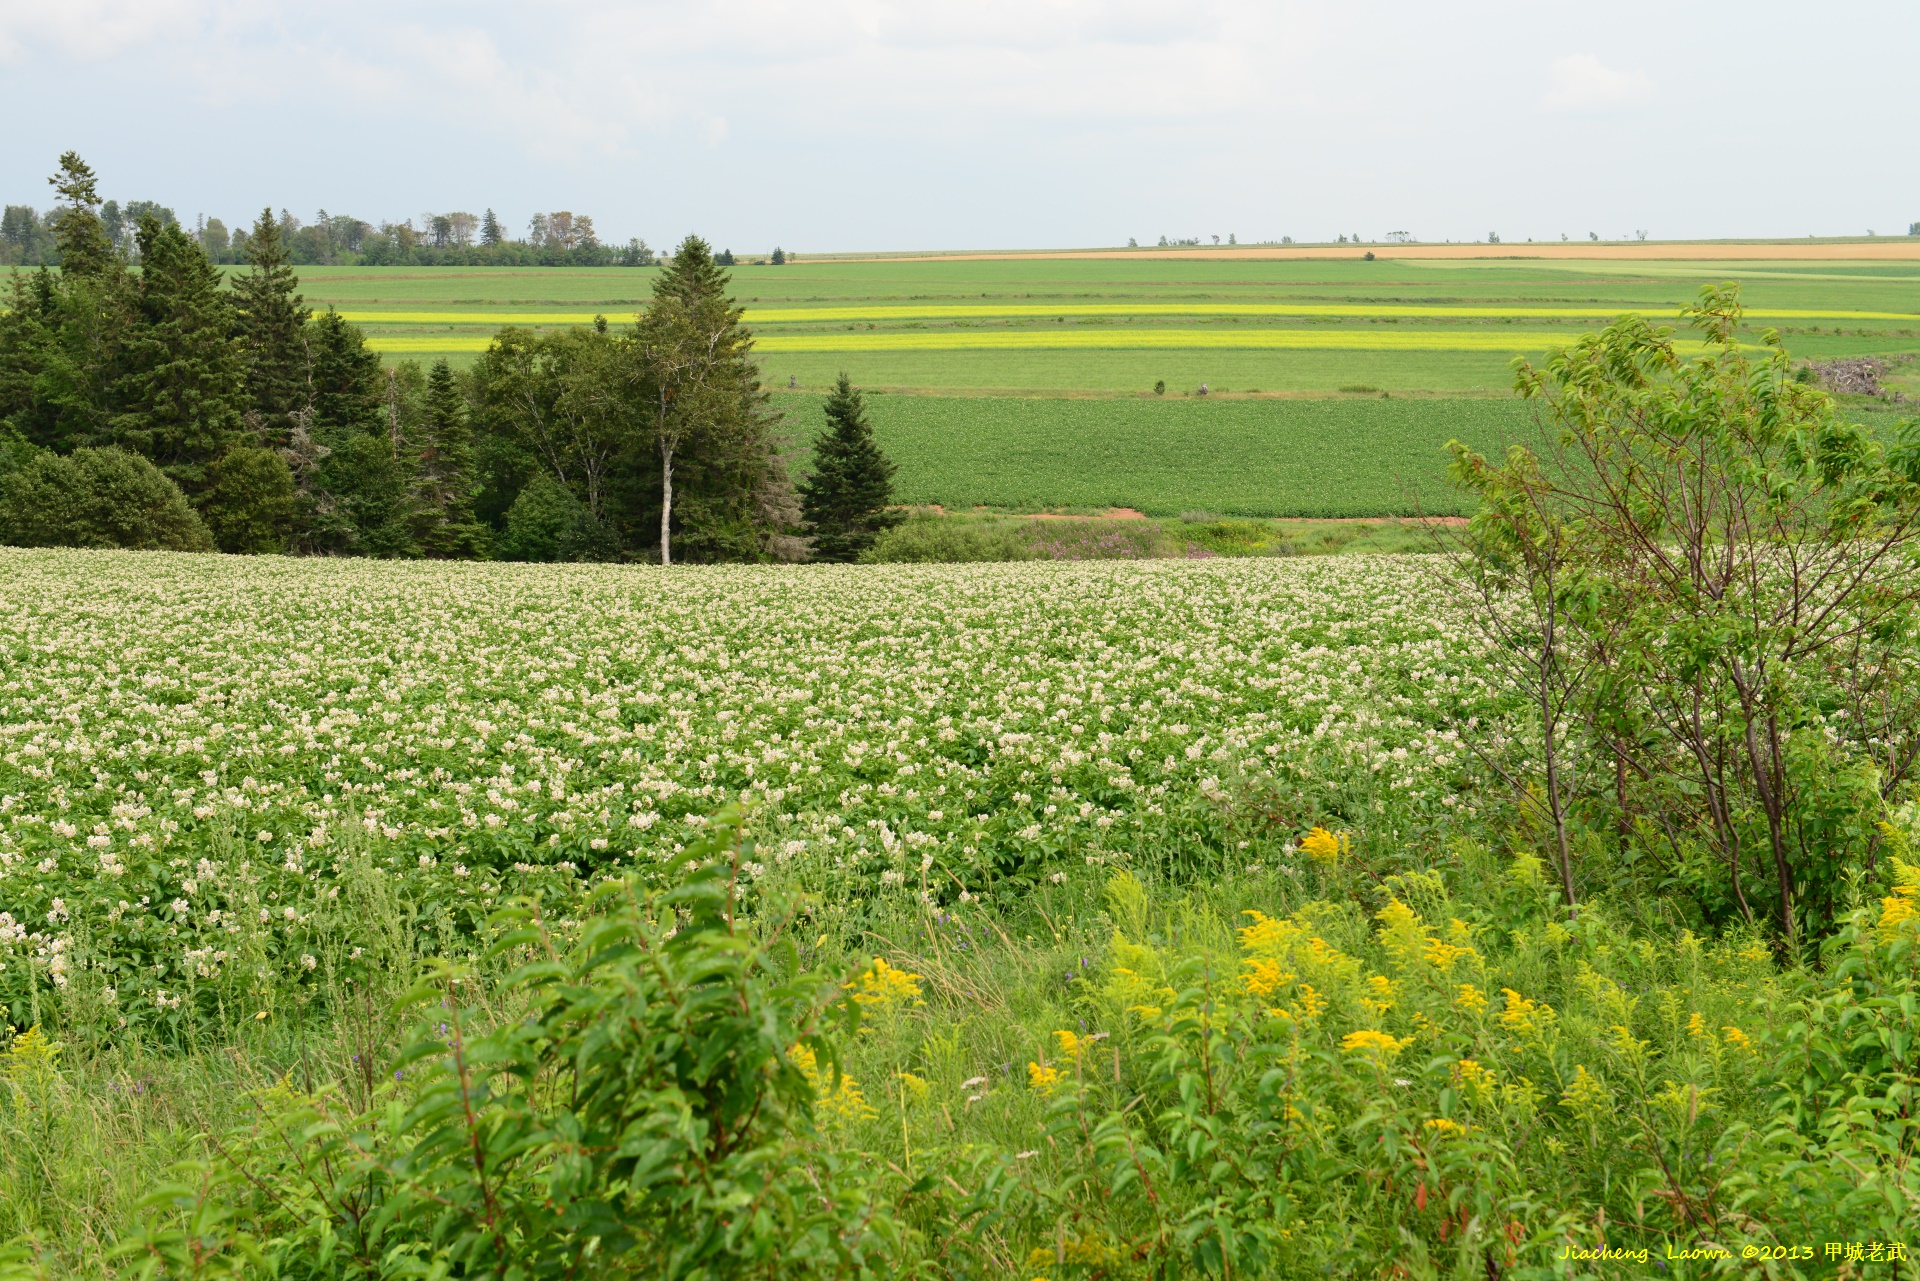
(1887, 248)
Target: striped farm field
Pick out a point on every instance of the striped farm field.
(961, 340)
(1356, 310)
(1031, 381)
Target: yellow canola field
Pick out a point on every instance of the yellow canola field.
(963, 340)
(1002, 311)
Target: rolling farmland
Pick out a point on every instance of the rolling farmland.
(1006, 375)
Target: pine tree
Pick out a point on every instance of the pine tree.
(443, 485)
(490, 233)
(272, 324)
(85, 248)
(846, 498)
(180, 394)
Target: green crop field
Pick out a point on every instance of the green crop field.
(1251, 457)
(995, 353)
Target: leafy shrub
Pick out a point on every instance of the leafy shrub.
(253, 502)
(926, 538)
(97, 498)
(547, 523)
(652, 1113)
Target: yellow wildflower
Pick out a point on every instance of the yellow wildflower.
(839, 1102)
(1737, 1039)
(1474, 1081)
(1586, 1098)
(882, 987)
(1044, 1079)
(1268, 938)
(1071, 1045)
(1524, 1016)
(32, 1055)
(1471, 999)
(1312, 1004)
(1382, 998)
(1085, 1252)
(1895, 911)
(1264, 978)
(1696, 1026)
(1324, 846)
(912, 1088)
(1442, 1127)
(1628, 1046)
(1375, 1045)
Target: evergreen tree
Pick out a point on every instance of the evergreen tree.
(85, 248)
(31, 360)
(723, 481)
(180, 393)
(490, 233)
(345, 390)
(846, 498)
(443, 485)
(272, 324)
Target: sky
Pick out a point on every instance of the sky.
(849, 125)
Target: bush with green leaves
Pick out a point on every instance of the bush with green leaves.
(253, 503)
(642, 1103)
(547, 523)
(931, 539)
(96, 498)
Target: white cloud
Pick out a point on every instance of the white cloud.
(1581, 82)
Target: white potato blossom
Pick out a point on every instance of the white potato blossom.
(413, 720)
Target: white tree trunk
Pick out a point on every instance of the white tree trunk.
(666, 502)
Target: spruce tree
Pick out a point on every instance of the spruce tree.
(846, 498)
(180, 394)
(490, 233)
(272, 323)
(346, 392)
(443, 485)
(85, 248)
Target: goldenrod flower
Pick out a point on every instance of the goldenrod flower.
(1376, 1045)
(1587, 1098)
(1044, 1079)
(1524, 1016)
(1474, 1081)
(1264, 978)
(1324, 846)
(838, 1102)
(1895, 911)
(882, 987)
(1471, 999)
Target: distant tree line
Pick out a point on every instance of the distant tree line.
(147, 402)
(561, 238)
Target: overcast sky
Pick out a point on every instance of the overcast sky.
(899, 124)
